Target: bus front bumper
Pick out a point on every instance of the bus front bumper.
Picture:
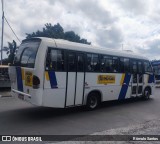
(21, 95)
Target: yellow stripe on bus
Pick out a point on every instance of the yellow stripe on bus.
(47, 76)
(122, 79)
(23, 77)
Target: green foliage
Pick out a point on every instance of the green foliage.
(57, 32)
(11, 51)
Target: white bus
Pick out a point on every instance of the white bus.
(58, 73)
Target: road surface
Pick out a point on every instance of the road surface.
(18, 117)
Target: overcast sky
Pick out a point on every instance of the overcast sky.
(135, 24)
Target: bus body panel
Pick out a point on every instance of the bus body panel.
(54, 95)
(54, 98)
(111, 90)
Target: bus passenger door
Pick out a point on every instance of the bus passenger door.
(137, 78)
(149, 78)
(134, 78)
(80, 79)
(140, 78)
(71, 78)
(75, 79)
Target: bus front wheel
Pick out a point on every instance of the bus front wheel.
(147, 94)
(93, 101)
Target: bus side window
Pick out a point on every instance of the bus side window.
(147, 67)
(106, 64)
(126, 65)
(102, 63)
(80, 62)
(89, 58)
(109, 64)
(121, 65)
(134, 67)
(55, 60)
(93, 63)
(71, 62)
(140, 67)
(115, 64)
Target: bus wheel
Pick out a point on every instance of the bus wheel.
(147, 94)
(93, 101)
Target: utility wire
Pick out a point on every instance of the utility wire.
(12, 29)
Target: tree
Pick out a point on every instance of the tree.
(57, 32)
(71, 36)
(11, 51)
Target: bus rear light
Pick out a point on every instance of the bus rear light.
(36, 82)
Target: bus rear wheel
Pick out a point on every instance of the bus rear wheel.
(147, 94)
(93, 101)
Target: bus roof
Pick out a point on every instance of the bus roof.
(91, 49)
(155, 63)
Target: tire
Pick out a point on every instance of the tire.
(147, 94)
(93, 101)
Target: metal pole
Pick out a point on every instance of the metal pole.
(2, 32)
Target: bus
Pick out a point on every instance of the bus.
(58, 73)
(156, 67)
(4, 77)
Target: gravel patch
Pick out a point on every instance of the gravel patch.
(147, 128)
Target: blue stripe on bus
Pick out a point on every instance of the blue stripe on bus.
(124, 88)
(151, 79)
(52, 78)
(19, 79)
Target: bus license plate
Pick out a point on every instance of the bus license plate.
(20, 96)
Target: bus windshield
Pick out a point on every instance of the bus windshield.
(26, 54)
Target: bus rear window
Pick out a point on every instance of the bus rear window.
(26, 54)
